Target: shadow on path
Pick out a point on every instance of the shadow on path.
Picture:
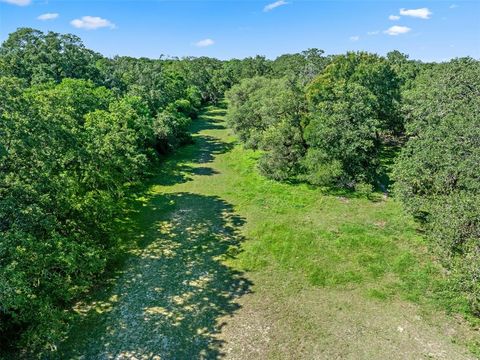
(166, 301)
(182, 165)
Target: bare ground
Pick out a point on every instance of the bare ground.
(322, 323)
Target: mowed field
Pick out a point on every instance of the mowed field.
(228, 264)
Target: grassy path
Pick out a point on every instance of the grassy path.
(233, 265)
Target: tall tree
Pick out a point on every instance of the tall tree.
(437, 175)
(38, 57)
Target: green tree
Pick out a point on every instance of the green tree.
(285, 149)
(68, 152)
(301, 67)
(171, 129)
(342, 137)
(258, 103)
(353, 103)
(437, 175)
(370, 71)
(37, 57)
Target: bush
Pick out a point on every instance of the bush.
(194, 96)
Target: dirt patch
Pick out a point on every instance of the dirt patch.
(329, 324)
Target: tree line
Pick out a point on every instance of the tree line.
(341, 121)
(79, 131)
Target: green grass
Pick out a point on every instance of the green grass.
(328, 240)
(208, 219)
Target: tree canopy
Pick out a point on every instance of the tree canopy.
(78, 131)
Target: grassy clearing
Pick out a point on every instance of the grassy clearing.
(328, 238)
(210, 231)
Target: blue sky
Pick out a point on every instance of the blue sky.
(427, 30)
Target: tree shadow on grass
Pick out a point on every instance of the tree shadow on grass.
(217, 111)
(183, 164)
(167, 300)
(208, 147)
(211, 124)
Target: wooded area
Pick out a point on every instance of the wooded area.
(80, 132)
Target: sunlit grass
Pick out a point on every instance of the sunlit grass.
(208, 204)
(329, 239)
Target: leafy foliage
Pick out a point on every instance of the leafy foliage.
(257, 104)
(78, 130)
(37, 57)
(361, 106)
(343, 138)
(285, 148)
(69, 151)
(171, 129)
(370, 71)
(437, 174)
(266, 113)
(302, 67)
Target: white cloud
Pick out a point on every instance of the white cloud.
(18, 2)
(376, 32)
(92, 23)
(204, 43)
(48, 16)
(453, 6)
(355, 38)
(397, 30)
(274, 5)
(393, 17)
(422, 13)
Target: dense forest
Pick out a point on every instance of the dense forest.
(79, 132)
